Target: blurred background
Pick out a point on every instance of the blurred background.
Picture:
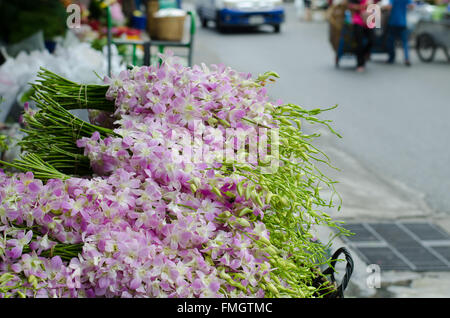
(394, 154)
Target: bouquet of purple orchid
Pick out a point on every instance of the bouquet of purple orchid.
(188, 182)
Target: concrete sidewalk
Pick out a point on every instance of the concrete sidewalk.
(370, 197)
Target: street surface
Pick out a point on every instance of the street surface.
(394, 120)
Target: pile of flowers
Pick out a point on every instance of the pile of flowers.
(166, 193)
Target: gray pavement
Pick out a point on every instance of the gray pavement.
(370, 197)
(394, 154)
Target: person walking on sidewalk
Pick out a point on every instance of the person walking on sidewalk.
(397, 28)
(362, 33)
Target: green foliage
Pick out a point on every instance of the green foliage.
(21, 19)
(294, 194)
(50, 149)
(3, 143)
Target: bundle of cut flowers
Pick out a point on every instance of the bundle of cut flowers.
(188, 182)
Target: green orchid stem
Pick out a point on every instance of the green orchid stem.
(71, 95)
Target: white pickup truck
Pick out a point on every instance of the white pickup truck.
(228, 13)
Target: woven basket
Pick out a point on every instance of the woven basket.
(152, 8)
(169, 28)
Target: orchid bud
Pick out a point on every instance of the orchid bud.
(225, 215)
(284, 201)
(239, 275)
(269, 196)
(291, 129)
(216, 191)
(230, 194)
(21, 295)
(271, 250)
(240, 189)
(272, 288)
(242, 222)
(269, 107)
(245, 211)
(248, 191)
(33, 281)
(196, 181)
(264, 240)
(224, 123)
(224, 275)
(212, 121)
(285, 121)
(255, 198)
(6, 277)
(276, 279)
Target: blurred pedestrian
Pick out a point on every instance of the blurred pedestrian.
(308, 12)
(362, 33)
(397, 29)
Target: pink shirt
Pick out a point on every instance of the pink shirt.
(357, 17)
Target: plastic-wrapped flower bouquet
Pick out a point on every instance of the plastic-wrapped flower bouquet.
(188, 182)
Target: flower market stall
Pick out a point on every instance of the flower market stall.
(187, 182)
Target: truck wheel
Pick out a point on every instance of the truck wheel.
(204, 22)
(219, 25)
(425, 47)
(276, 28)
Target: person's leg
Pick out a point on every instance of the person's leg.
(308, 13)
(368, 33)
(404, 38)
(390, 43)
(358, 32)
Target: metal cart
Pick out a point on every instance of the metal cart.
(431, 35)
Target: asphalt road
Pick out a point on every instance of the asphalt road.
(394, 120)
